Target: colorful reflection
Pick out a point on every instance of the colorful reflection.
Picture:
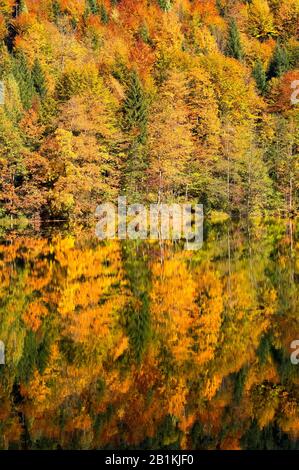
(132, 344)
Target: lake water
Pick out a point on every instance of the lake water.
(124, 345)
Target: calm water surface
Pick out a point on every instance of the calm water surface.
(142, 345)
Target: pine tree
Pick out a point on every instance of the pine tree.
(23, 77)
(144, 33)
(279, 62)
(56, 10)
(103, 14)
(93, 6)
(134, 123)
(38, 79)
(234, 47)
(134, 178)
(135, 108)
(260, 77)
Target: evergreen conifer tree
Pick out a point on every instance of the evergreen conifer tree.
(135, 109)
(93, 6)
(279, 62)
(135, 117)
(38, 79)
(234, 47)
(103, 14)
(56, 10)
(134, 181)
(144, 33)
(260, 77)
(23, 77)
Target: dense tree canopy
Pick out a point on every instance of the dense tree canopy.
(153, 99)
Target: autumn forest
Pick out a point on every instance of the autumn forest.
(151, 99)
(142, 344)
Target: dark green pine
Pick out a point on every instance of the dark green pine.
(234, 46)
(38, 78)
(260, 77)
(135, 109)
(279, 62)
(93, 6)
(23, 77)
(103, 14)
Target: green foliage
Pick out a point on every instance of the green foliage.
(103, 14)
(144, 33)
(286, 370)
(13, 104)
(230, 145)
(94, 7)
(264, 349)
(268, 438)
(105, 342)
(11, 143)
(138, 321)
(38, 78)
(27, 363)
(23, 77)
(134, 122)
(234, 47)
(59, 374)
(167, 437)
(239, 382)
(281, 157)
(5, 62)
(134, 174)
(279, 62)
(135, 108)
(135, 118)
(201, 439)
(137, 316)
(102, 419)
(293, 54)
(260, 77)
(56, 10)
